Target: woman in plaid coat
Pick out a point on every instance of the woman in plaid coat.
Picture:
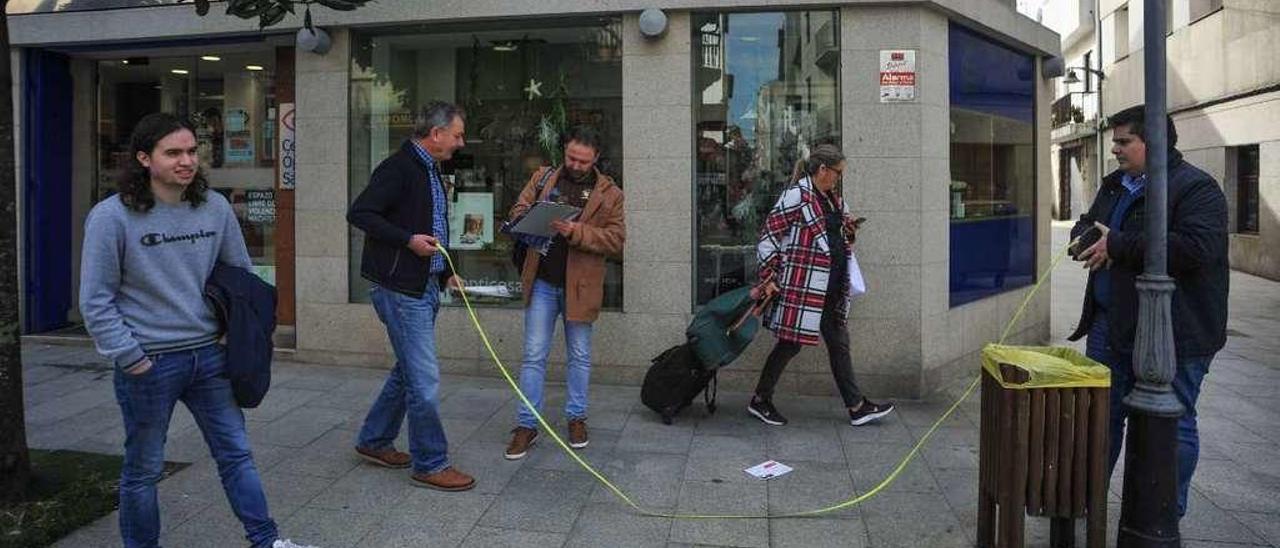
(804, 251)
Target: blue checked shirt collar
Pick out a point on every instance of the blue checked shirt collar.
(1134, 184)
(439, 213)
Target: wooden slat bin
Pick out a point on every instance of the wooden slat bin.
(1042, 451)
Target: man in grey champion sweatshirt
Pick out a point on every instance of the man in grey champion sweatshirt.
(147, 253)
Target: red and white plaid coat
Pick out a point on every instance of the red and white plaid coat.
(794, 252)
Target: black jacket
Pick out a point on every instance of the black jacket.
(1197, 261)
(396, 205)
(246, 309)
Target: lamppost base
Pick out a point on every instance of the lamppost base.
(1149, 508)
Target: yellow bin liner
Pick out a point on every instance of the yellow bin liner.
(1048, 367)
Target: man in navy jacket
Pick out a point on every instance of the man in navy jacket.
(403, 213)
(1197, 261)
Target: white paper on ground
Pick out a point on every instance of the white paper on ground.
(768, 469)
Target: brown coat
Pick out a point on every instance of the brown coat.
(601, 232)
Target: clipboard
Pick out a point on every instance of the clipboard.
(537, 221)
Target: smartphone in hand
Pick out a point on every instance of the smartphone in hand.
(1087, 239)
(851, 229)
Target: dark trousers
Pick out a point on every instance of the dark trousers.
(836, 336)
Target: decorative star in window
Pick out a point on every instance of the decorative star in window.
(534, 89)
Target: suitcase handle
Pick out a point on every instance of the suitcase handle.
(754, 310)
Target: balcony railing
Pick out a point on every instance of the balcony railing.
(1077, 107)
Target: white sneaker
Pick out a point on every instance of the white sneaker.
(286, 543)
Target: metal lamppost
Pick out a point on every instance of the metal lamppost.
(1100, 119)
(1149, 509)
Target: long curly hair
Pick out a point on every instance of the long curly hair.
(134, 180)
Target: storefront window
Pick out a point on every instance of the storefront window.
(992, 167)
(520, 89)
(766, 89)
(230, 99)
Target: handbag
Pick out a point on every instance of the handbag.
(521, 249)
(857, 285)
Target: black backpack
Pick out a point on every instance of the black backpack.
(675, 379)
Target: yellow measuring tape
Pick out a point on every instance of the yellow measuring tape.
(902, 465)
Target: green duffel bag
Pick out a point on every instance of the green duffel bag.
(719, 333)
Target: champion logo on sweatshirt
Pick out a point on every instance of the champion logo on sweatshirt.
(156, 238)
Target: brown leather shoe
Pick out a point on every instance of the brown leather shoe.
(449, 479)
(387, 457)
(578, 433)
(521, 440)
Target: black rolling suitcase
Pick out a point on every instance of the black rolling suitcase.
(674, 380)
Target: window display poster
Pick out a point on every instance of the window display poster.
(260, 206)
(288, 148)
(471, 220)
(239, 148)
(897, 75)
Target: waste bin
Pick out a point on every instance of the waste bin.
(1043, 444)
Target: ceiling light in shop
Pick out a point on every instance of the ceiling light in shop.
(210, 58)
(253, 67)
(505, 46)
(180, 71)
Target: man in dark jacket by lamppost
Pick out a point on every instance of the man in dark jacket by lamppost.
(1197, 262)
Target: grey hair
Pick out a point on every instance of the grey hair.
(822, 155)
(433, 115)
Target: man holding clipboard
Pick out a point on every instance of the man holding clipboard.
(581, 210)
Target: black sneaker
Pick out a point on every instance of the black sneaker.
(869, 412)
(766, 412)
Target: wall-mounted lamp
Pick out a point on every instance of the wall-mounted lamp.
(653, 23)
(314, 40)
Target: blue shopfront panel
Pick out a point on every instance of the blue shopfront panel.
(47, 191)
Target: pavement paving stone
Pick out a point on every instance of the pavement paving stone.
(700, 497)
(616, 527)
(212, 527)
(722, 458)
(1266, 526)
(279, 402)
(464, 402)
(329, 528)
(652, 480)
(299, 427)
(1212, 524)
(818, 533)
(540, 500)
(429, 518)
(645, 432)
(817, 444)
(366, 489)
(331, 456)
(812, 486)
(490, 537)
(913, 519)
(872, 464)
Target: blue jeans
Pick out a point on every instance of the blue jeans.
(412, 387)
(198, 378)
(545, 304)
(1186, 387)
